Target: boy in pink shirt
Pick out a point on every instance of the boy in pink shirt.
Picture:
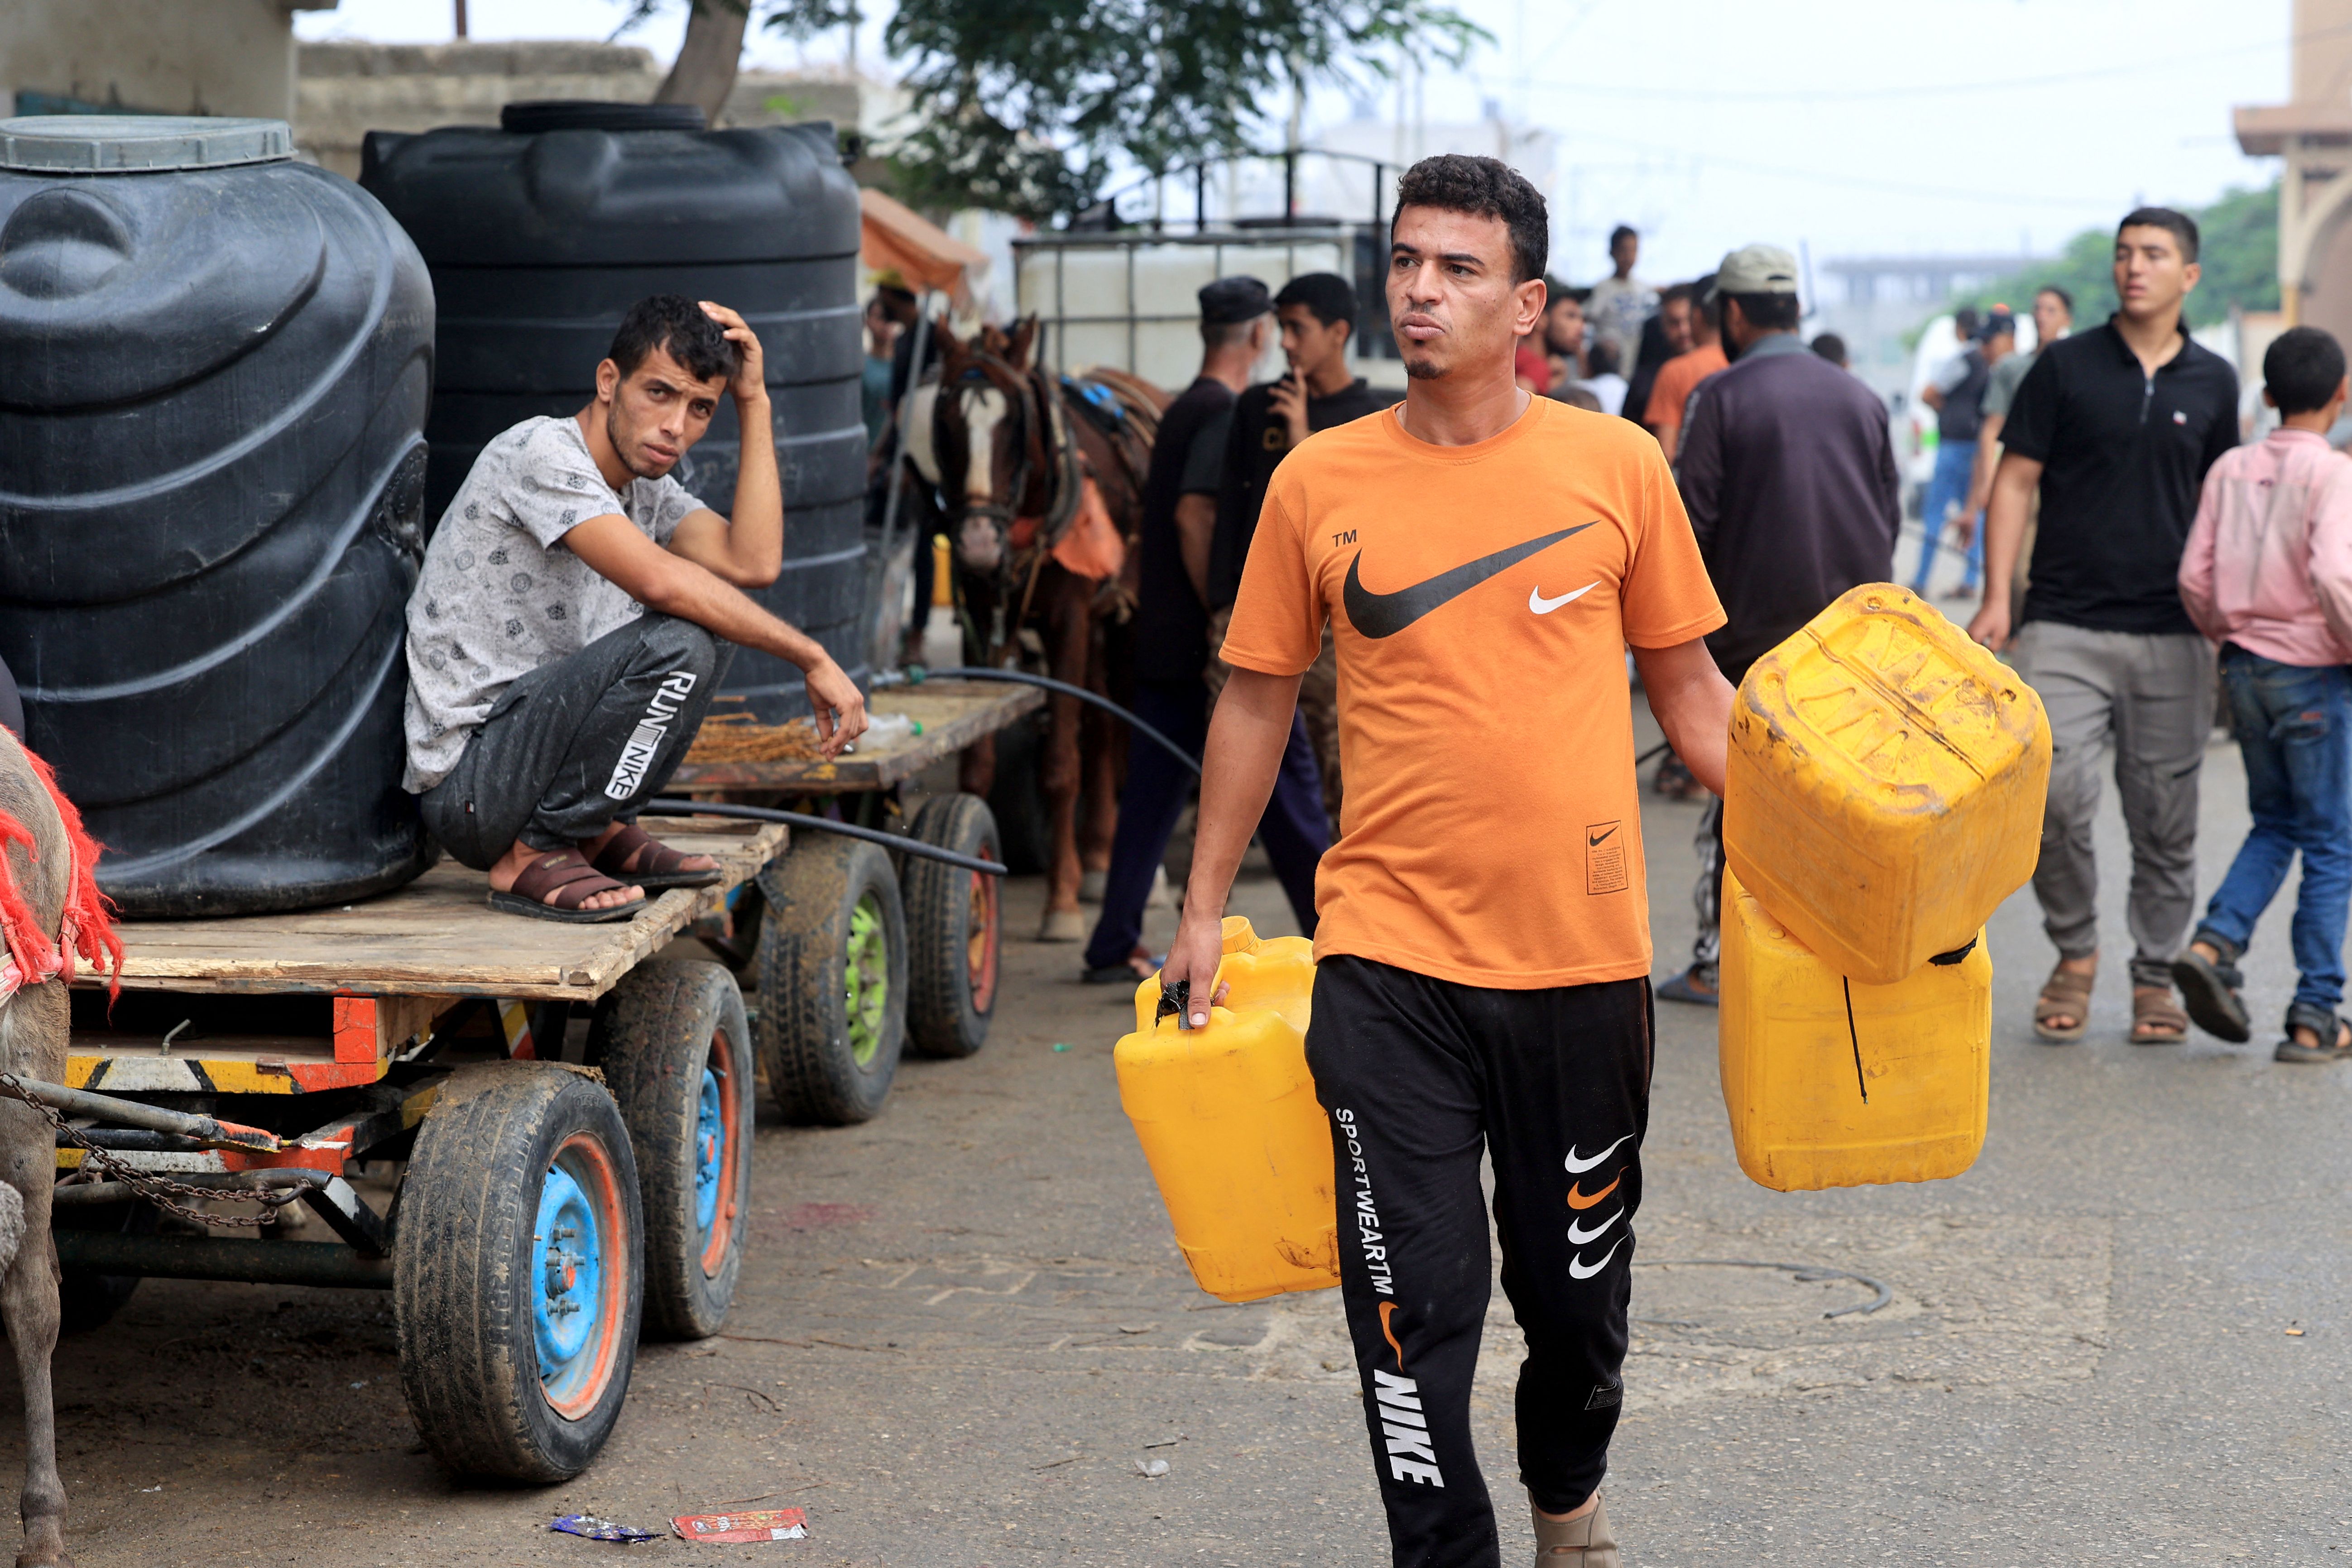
(2267, 574)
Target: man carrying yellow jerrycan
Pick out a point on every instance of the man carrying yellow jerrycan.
(1483, 559)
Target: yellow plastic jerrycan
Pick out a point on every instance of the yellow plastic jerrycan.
(1886, 784)
(1228, 1119)
(1839, 1083)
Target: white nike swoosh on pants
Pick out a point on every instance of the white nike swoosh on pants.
(1577, 1270)
(1543, 606)
(1577, 1167)
(1578, 1236)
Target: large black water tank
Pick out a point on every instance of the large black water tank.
(214, 365)
(541, 233)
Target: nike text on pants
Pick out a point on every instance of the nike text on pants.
(1158, 785)
(578, 743)
(1419, 1076)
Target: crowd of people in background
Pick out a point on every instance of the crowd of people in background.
(2067, 477)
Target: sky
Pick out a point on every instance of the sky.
(1840, 127)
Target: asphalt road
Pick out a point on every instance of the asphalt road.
(963, 1324)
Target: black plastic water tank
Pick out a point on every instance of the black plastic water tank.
(212, 476)
(541, 233)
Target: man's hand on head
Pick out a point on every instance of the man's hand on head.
(838, 706)
(750, 382)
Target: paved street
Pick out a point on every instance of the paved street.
(963, 1325)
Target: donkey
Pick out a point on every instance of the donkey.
(1040, 480)
(49, 910)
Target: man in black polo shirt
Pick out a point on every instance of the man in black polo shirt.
(2117, 427)
(1172, 650)
(1317, 313)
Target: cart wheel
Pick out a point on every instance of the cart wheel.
(953, 922)
(678, 1054)
(518, 1275)
(87, 1300)
(1015, 798)
(833, 979)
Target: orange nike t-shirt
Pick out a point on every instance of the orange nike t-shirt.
(1481, 598)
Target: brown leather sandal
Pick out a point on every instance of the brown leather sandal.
(2065, 994)
(659, 866)
(2157, 1017)
(554, 885)
(1586, 1542)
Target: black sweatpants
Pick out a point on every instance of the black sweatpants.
(1419, 1074)
(579, 743)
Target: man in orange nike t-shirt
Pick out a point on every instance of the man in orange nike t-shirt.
(1484, 558)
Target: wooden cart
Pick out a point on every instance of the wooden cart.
(833, 932)
(536, 1135)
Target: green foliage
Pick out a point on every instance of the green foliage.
(2238, 250)
(1024, 106)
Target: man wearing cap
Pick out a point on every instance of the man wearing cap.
(1171, 647)
(1316, 311)
(1788, 472)
(1957, 394)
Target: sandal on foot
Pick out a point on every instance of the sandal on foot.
(2209, 990)
(659, 866)
(2065, 994)
(2156, 1018)
(1698, 983)
(1586, 1542)
(554, 885)
(2323, 1025)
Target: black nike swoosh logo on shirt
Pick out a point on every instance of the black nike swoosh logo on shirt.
(1595, 838)
(1385, 614)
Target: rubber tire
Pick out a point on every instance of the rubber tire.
(1013, 796)
(461, 1274)
(652, 1034)
(88, 1300)
(943, 1017)
(804, 1028)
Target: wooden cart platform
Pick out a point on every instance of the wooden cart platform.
(953, 714)
(438, 936)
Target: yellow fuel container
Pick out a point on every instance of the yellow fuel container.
(1228, 1119)
(1840, 1083)
(1886, 785)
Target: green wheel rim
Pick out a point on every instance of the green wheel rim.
(866, 980)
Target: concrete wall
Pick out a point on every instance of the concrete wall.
(348, 88)
(2322, 71)
(177, 57)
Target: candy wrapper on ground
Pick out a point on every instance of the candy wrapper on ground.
(593, 1528)
(760, 1524)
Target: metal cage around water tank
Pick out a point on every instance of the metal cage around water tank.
(540, 233)
(214, 363)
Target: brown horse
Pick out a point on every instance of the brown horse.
(1038, 481)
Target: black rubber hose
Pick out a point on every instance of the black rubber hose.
(1022, 677)
(897, 841)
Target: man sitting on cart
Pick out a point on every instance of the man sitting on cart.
(576, 611)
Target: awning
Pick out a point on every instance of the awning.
(924, 254)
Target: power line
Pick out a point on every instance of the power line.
(1854, 182)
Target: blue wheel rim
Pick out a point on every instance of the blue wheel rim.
(711, 1151)
(567, 1284)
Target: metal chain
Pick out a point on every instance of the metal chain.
(152, 1187)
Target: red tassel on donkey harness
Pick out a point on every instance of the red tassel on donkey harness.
(87, 925)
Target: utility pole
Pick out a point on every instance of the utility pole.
(856, 17)
(461, 18)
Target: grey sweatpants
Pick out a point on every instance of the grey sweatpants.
(2150, 698)
(578, 744)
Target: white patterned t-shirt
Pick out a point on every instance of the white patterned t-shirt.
(501, 595)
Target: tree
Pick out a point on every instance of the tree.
(1026, 106)
(704, 73)
(2238, 249)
